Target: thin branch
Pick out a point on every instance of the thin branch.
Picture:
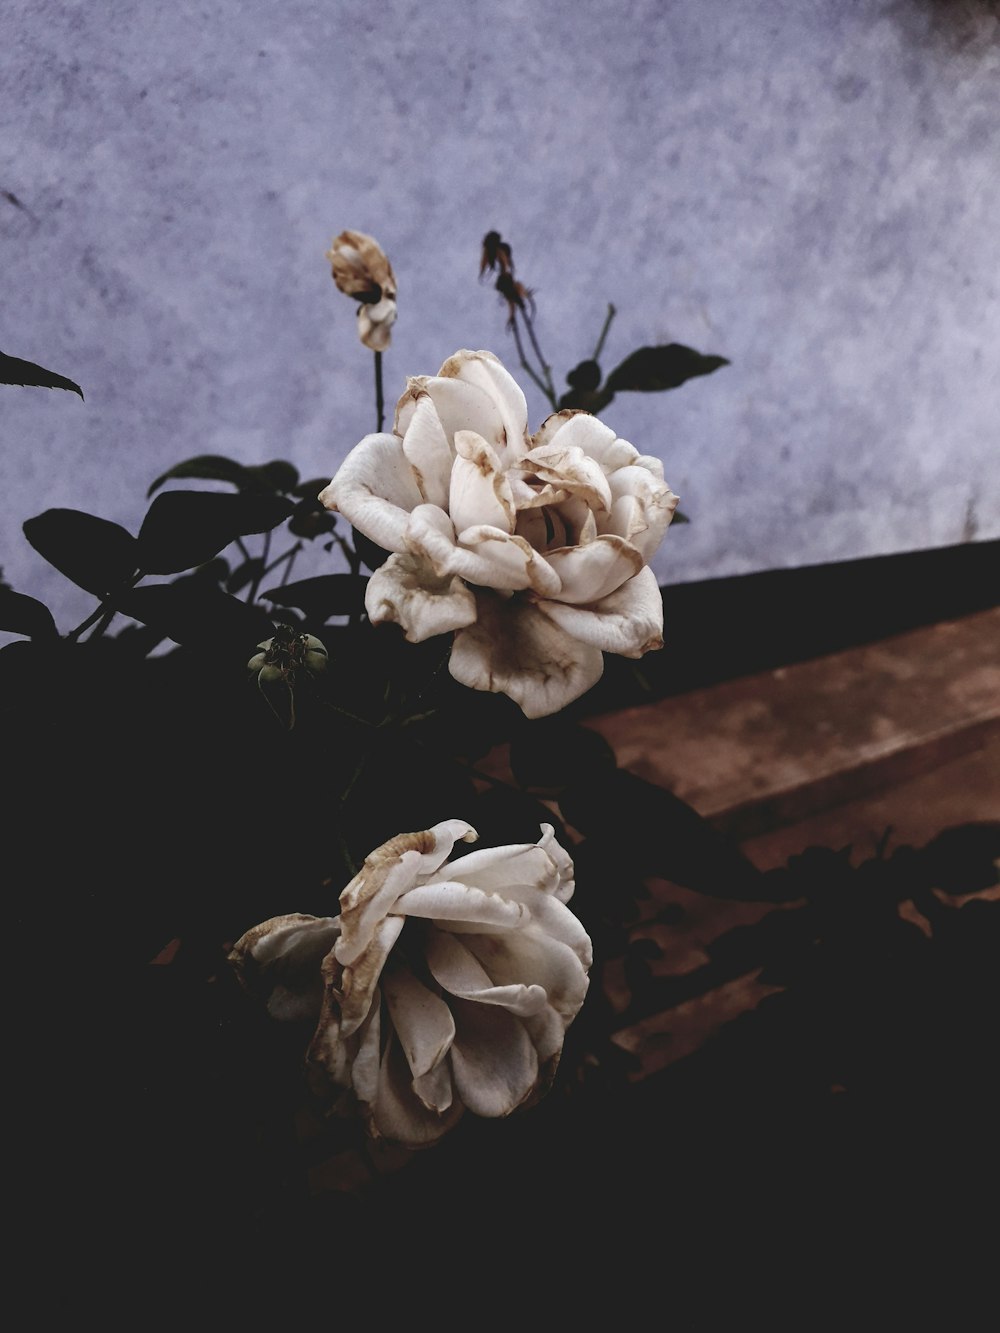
(525, 364)
(550, 390)
(102, 610)
(604, 332)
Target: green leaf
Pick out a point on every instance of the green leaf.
(24, 615)
(185, 528)
(551, 753)
(653, 369)
(585, 376)
(309, 490)
(15, 371)
(207, 467)
(310, 519)
(198, 615)
(275, 476)
(680, 517)
(324, 596)
(96, 554)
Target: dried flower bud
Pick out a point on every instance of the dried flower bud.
(361, 269)
(281, 659)
(496, 254)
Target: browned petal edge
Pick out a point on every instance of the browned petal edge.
(241, 955)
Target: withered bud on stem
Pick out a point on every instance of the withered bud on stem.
(496, 254)
(361, 269)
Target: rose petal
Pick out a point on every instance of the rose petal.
(493, 1061)
(571, 469)
(588, 573)
(408, 591)
(495, 869)
(365, 1067)
(422, 1020)
(360, 978)
(375, 490)
(487, 556)
(461, 974)
(480, 493)
(459, 406)
(629, 621)
(428, 451)
(280, 960)
(532, 958)
(487, 372)
(515, 650)
(586, 432)
(389, 871)
(398, 1114)
(454, 902)
(375, 324)
(641, 508)
(562, 861)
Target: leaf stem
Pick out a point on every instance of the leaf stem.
(604, 332)
(74, 634)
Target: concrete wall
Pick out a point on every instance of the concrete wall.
(808, 188)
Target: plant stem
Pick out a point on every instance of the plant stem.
(102, 610)
(525, 365)
(546, 368)
(289, 555)
(255, 585)
(379, 399)
(604, 332)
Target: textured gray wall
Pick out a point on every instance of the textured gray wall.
(808, 188)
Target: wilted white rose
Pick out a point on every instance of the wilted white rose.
(441, 986)
(534, 549)
(361, 269)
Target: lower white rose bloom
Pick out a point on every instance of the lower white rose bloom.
(441, 986)
(534, 550)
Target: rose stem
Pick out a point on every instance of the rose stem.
(379, 399)
(524, 361)
(546, 369)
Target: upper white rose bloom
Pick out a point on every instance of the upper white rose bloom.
(440, 987)
(534, 549)
(361, 268)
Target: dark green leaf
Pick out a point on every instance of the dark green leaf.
(15, 371)
(198, 614)
(24, 615)
(667, 837)
(652, 369)
(243, 575)
(207, 467)
(551, 753)
(680, 517)
(96, 554)
(309, 490)
(372, 555)
(185, 528)
(324, 596)
(275, 476)
(586, 400)
(310, 520)
(586, 376)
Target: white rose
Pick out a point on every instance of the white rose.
(533, 549)
(445, 987)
